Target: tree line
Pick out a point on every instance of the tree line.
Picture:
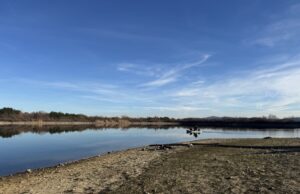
(10, 114)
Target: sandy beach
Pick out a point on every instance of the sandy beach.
(205, 168)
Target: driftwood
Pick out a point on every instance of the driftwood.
(170, 145)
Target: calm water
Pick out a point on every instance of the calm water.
(21, 149)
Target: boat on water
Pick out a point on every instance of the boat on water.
(194, 130)
(191, 131)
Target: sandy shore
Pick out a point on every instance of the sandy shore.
(84, 176)
(196, 169)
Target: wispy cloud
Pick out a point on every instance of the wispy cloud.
(295, 8)
(139, 69)
(92, 87)
(285, 29)
(95, 91)
(270, 89)
(280, 31)
(173, 74)
(102, 99)
(177, 108)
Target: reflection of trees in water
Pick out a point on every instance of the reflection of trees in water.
(259, 123)
(10, 131)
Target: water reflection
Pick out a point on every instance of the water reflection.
(10, 131)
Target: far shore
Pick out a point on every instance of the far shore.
(187, 124)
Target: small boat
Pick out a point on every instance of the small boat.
(189, 131)
(194, 133)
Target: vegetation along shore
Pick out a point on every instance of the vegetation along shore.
(10, 116)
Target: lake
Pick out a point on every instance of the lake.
(27, 147)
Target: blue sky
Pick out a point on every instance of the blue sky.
(146, 58)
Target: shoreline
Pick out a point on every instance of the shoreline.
(155, 147)
(127, 124)
(69, 162)
(105, 161)
(110, 171)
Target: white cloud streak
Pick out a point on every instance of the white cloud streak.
(173, 74)
(283, 30)
(91, 87)
(272, 89)
(141, 70)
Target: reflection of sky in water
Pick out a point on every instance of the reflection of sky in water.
(31, 150)
(248, 133)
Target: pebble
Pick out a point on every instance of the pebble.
(69, 191)
(29, 171)
(190, 145)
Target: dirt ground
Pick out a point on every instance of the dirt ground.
(196, 169)
(85, 176)
(206, 169)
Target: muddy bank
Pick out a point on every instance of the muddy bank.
(232, 167)
(201, 168)
(85, 176)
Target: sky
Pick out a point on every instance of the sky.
(194, 58)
